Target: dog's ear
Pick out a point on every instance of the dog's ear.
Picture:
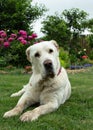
(28, 54)
(55, 44)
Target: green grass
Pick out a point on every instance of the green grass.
(75, 114)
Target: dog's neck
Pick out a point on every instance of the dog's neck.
(59, 71)
(59, 68)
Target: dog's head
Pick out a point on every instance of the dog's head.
(44, 57)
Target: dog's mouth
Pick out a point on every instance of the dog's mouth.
(49, 69)
(50, 74)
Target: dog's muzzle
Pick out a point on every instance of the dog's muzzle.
(49, 68)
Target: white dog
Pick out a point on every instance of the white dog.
(49, 83)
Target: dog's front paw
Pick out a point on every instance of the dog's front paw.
(29, 116)
(13, 112)
(8, 114)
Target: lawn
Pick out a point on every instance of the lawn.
(75, 114)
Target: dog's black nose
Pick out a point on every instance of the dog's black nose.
(48, 64)
(49, 68)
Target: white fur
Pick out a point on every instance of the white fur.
(50, 92)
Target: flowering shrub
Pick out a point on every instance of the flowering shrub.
(22, 37)
(13, 46)
(82, 54)
(84, 57)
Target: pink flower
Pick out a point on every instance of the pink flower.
(3, 35)
(34, 35)
(30, 37)
(84, 57)
(22, 32)
(20, 38)
(23, 41)
(13, 35)
(6, 44)
(10, 39)
(2, 32)
(24, 36)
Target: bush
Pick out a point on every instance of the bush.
(14, 55)
(73, 59)
(91, 55)
(12, 48)
(2, 62)
(64, 58)
(90, 40)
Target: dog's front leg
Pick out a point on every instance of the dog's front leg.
(41, 110)
(14, 112)
(24, 102)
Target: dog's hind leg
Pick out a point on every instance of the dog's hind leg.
(20, 92)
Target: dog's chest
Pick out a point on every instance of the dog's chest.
(48, 92)
(45, 83)
(47, 86)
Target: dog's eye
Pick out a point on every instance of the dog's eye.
(37, 54)
(50, 50)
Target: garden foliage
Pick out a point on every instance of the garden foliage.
(18, 15)
(67, 29)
